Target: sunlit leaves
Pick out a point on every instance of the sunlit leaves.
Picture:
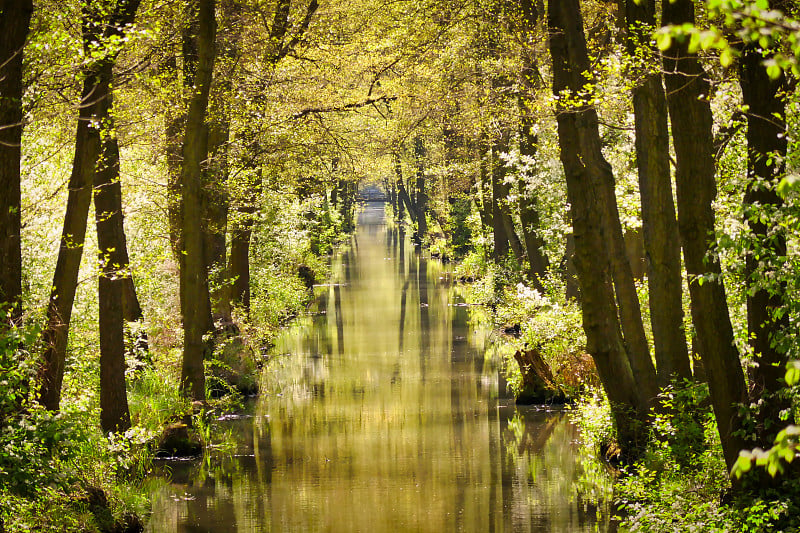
(792, 373)
(789, 184)
(751, 22)
(786, 446)
(784, 451)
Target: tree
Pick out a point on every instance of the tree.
(624, 366)
(687, 89)
(659, 223)
(103, 25)
(284, 39)
(195, 303)
(114, 273)
(527, 18)
(15, 16)
(767, 319)
(422, 196)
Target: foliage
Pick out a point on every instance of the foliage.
(592, 414)
(751, 22)
(787, 442)
(678, 482)
(49, 460)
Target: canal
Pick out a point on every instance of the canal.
(383, 410)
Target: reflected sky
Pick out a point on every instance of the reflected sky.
(381, 413)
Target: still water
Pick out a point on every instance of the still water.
(383, 412)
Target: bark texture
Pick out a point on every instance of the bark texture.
(690, 113)
(659, 223)
(15, 16)
(766, 151)
(114, 272)
(196, 308)
(624, 372)
(241, 232)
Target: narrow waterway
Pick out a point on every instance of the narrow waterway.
(382, 412)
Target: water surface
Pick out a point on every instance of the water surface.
(381, 412)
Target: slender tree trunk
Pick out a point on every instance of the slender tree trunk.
(241, 233)
(392, 186)
(534, 244)
(422, 195)
(65, 279)
(239, 261)
(217, 206)
(690, 113)
(14, 27)
(175, 124)
(402, 193)
(500, 191)
(114, 273)
(98, 26)
(196, 303)
(628, 382)
(766, 152)
(216, 186)
(659, 224)
(529, 145)
(107, 177)
(485, 209)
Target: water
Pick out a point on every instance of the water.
(383, 414)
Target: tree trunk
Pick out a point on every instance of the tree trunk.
(528, 146)
(175, 124)
(623, 373)
(114, 272)
(534, 244)
(690, 113)
(501, 192)
(766, 153)
(14, 27)
(241, 232)
(196, 304)
(216, 207)
(98, 26)
(505, 235)
(392, 188)
(404, 198)
(485, 208)
(422, 195)
(216, 186)
(659, 224)
(107, 177)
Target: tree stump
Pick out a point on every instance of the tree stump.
(538, 383)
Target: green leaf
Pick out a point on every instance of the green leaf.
(694, 42)
(773, 71)
(788, 184)
(743, 463)
(773, 468)
(663, 41)
(726, 57)
(792, 373)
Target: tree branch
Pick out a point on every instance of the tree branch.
(345, 107)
